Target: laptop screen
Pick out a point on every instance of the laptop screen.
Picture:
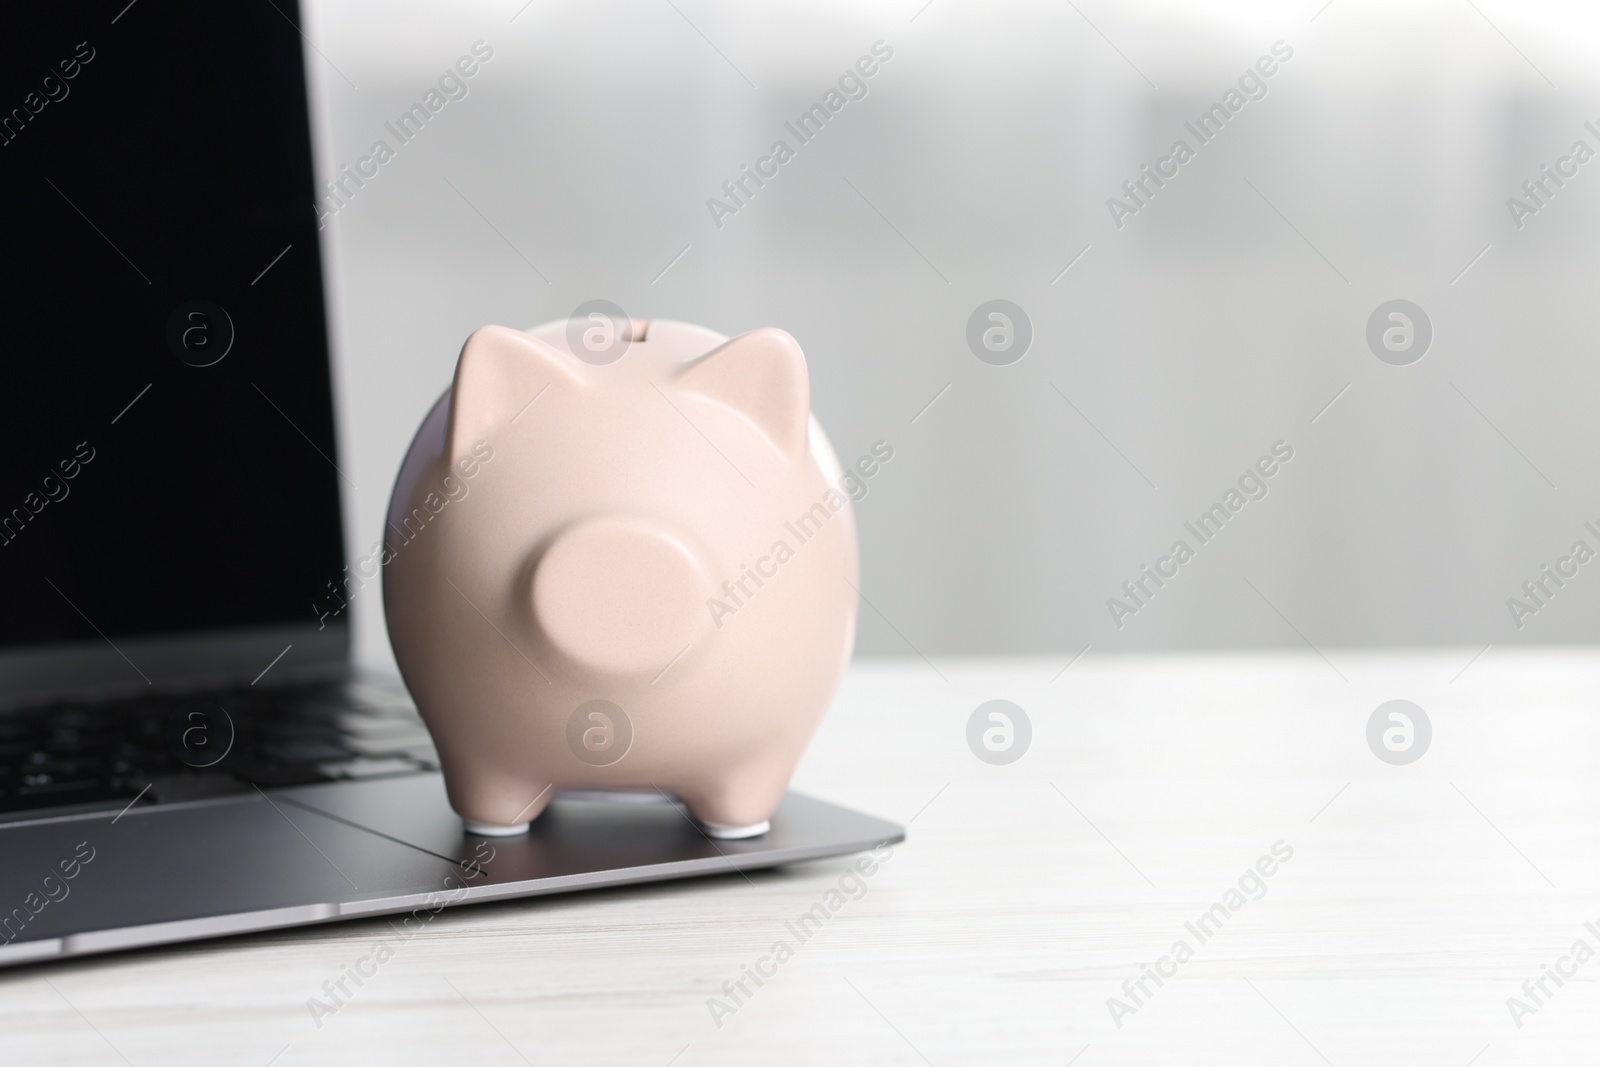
(167, 429)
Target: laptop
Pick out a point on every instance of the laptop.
(185, 748)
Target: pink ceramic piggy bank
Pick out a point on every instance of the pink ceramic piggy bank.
(638, 575)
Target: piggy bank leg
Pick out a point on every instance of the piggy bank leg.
(504, 812)
(739, 806)
(489, 829)
(726, 832)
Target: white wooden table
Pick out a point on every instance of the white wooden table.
(1418, 898)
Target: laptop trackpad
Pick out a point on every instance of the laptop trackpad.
(215, 868)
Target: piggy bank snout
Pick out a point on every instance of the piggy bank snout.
(620, 595)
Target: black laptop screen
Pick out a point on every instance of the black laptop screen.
(166, 422)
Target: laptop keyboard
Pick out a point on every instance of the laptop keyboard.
(76, 754)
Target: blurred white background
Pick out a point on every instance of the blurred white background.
(1220, 319)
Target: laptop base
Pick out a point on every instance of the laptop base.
(78, 885)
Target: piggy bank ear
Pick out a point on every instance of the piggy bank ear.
(499, 374)
(761, 375)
